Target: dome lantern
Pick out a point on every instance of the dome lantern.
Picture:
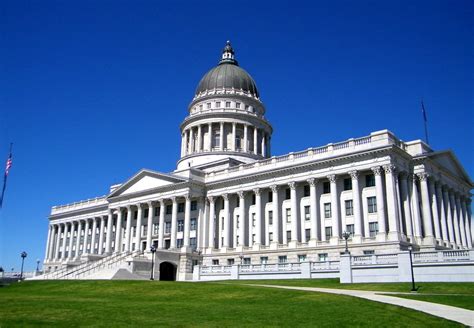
(228, 55)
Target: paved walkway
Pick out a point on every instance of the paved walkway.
(460, 315)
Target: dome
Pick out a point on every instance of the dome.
(228, 75)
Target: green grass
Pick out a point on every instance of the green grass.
(145, 303)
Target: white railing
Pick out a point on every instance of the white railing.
(441, 256)
(325, 266)
(275, 267)
(216, 269)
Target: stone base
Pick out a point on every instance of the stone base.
(334, 240)
(273, 245)
(429, 241)
(381, 237)
(394, 236)
(256, 247)
(357, 239)
(313, 243)
(293, 244)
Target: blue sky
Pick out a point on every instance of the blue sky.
(93, 91)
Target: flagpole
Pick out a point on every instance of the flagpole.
(8, 165)
(425, 122)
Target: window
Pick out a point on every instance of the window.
(193, 243)
(282, 259)
(218, 104)
(328, 231)
(193, 205)
(227, 104)
(306, 191)
(287, 193)
(323, 257)
(307, 234)
(230, 261)
(156, 227)
(373, 228)
(350, 228)
(307, 216)
(264, 259)
(326, 187)
(237, 105)
(169, 208)
(270, 196)
(270, 236)
(253, 220)
(372, 204)
(270, 217)
(180, 225)
(238, 221)
(179, 243)
(238, 142)
(246, 107)
(370, 180)
(135, 215)
(180, 207)
(327, 210)
(302, 258)
(193, 225)
(288, 235)
(215, 262)
(145, 213)
(369, 252)
(247, 260)
(200, 107)
(157, 211)
(288, 215)
(348, 184)
(167, 227)
(217, 139)
(208, 105)
(349, 207)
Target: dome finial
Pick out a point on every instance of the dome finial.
(228, 54)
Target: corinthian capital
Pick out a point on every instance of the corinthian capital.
(390, 168)
(210, 199)
(423, 176)
(241, 194)
(257, 191)
(274, 188)
(354, 174)
(225, 196)
(292, 185)
(376, 169)
(332, 178)
(312, 182)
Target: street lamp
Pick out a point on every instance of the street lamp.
(23, 256)
(413, 288)
(37, 265)
(346, 235)
(153, 251)
(241, 258)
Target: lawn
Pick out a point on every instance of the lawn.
(146, 303)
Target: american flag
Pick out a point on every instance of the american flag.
(9, 164)
(7, 170)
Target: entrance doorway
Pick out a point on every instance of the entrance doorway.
(167, 271)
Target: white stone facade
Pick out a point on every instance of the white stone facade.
(229, 201)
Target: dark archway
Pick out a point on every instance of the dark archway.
(167, 271)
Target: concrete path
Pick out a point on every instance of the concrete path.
(460, 315)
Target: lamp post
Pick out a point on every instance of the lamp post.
(23, 256)
(241, 256)
(153, 251)
(413, 288)
(37, 265)
(346, 235)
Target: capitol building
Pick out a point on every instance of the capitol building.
(230, 202)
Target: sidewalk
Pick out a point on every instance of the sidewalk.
(460, 315)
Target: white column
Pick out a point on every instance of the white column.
(138, 228)
(222, 136)
(187, 220)
(426, 207)
(242, 215)
(380, 200)
(442, 212)
(149, 225)
(174, 216)
(313, 209)
(434, 209)
(94, 235)
(294, 212)
(258, 216)
(204, 223)
(101, 235)
(235, 228)
(56, 242)
(466, 207)
(462, 229)
(118, 232)
(78, 239)
(276, 214)
(183, 141)
(392, 208)
(108, 239)
(226, 230)
(48, 242)
(209, 136)
(255, 146)
(449, 216)
(263, 144)
(336, 234)
(212, 217)
(71, 240)
(191, 140)
(63, 250)
(86, 238)
(234, 148)
(406, 204)
(161, 225)
(186, 142)
(457, 237)
(356, 193)
(199, 139)
(128, 228)
(246, 139)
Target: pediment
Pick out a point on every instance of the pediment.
(450, 163)
(145, 180)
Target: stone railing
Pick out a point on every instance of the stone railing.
(374, 259)
(325, 266)
(215, 269)
(442, 256)
(79, 205)
(276, 267)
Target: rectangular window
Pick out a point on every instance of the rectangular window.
(288, 215)
(307, 234)
(328, 231)
(180, 207)
(372, 204)
(270, 196)
(157, 211)
(288, 235)
(326, 187)
(208, 105)
(167, 227)
(193, 205)
(306, 191)
(323, 257)
(253, 220)
(247, 260)
(156, 228)
(349, 207)
(200, 107)
(180, 225)
(179, 243)
(193, 225)
(230, 261)
(217, 139)
(373, 228)
(327, 210)
(218, 104)
(238, 221)
(348, 184)
(270, 217)
(215, 262)
(238, 142)
(369, 252)
(270, 236)
(169, 209)
(302, 258)
(237, 105)
(227, 104)
(145, 213)
(307, 215)
(282, 259)
(193, 242)
(264, 259)
(287, 193)
(350, 229)
(370, 180)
